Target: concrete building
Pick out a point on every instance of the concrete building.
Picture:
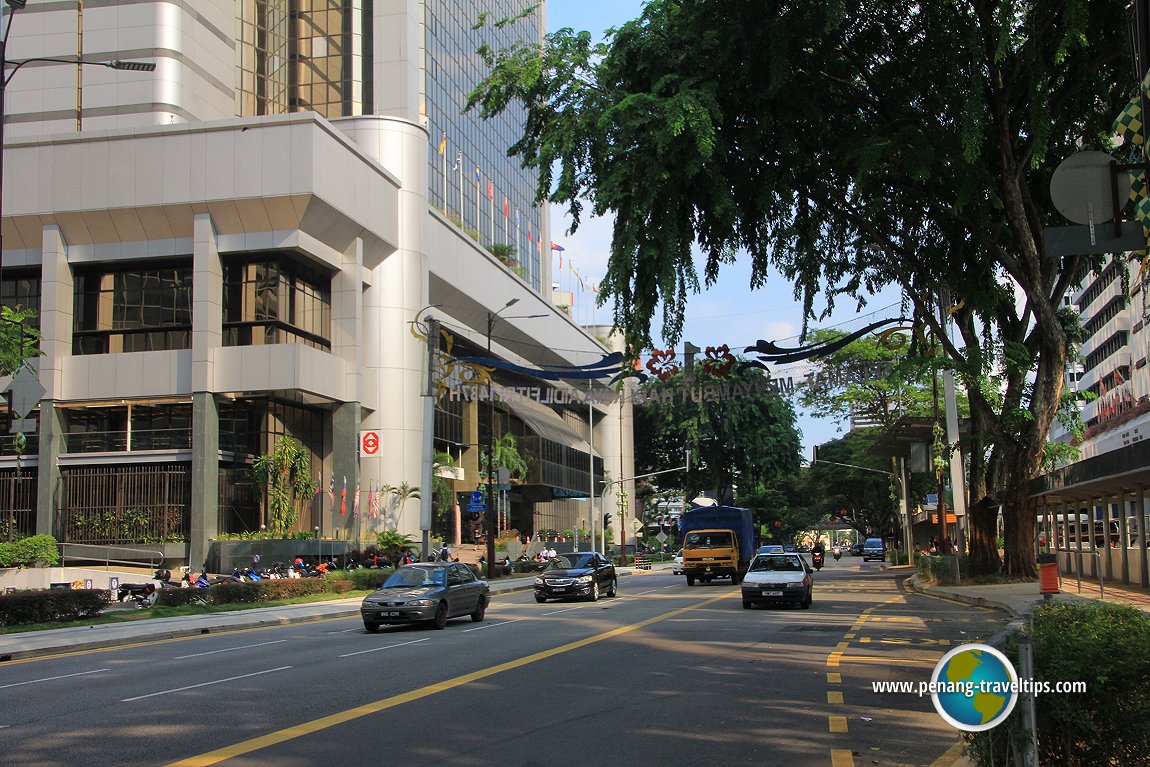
(238, 247)
(1094, 510)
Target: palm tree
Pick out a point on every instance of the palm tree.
(285, 475)
(401, 494)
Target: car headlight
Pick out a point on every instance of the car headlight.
(583, 579)
(538, 581)
(420, 603)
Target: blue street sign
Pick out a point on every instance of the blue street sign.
(477, 507)
(477, 496)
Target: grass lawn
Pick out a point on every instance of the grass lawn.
(150, 613)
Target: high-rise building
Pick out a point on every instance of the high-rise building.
(244, 244)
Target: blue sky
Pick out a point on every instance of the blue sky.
(730, 312)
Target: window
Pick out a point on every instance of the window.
(133, 309)
(269, 299)
(20, 289)
(132, 427)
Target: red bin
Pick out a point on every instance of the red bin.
(1048, 580)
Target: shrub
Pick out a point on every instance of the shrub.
(266, 591)
(181, 597)
(340, 585)
(1103, 645)
(51, 605)
(26, 552)
(940, 569)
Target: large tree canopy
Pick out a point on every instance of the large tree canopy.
(851, 145)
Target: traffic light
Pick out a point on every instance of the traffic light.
(606, 521)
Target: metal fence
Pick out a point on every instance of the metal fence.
(147, 503)
(17, 504)
(239, 500)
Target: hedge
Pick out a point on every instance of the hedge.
(26, 552)
(1104, 645)
(51, 605)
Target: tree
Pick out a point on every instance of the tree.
(400, 495)
(285, 475)
(442, 490)
(504, 454)
(851, 145)
(749, 443)
(18, 340)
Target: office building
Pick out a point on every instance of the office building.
(238, 246)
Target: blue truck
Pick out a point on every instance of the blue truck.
(718, 542)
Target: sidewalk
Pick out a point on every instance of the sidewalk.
(33, 644)
(1019, 599)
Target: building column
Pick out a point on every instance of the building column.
(1140, 511)
(205, 511)
(207, 336)
(57, 297)
(347, 344)
(1124, 535)
(1108, 550)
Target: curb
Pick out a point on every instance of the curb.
(913, 584)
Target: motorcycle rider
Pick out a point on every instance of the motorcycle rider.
(818, 554)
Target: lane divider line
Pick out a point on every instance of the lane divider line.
(492, 625)
(834, 696)
(206, 684)
(838, 724)
(342, 717)
(230, 649)
(52, 678)
(385, 647)
(833, 677)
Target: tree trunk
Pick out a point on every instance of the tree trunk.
(1019, 512)
(982, 539)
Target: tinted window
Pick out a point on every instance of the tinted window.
(416, 576)
(874, 543)
(713, 540)
(571, 561)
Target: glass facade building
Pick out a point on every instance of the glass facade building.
(473, 181)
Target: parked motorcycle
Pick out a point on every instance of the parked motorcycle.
(144, 594)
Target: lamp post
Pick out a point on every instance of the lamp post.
(7, 74)
(489, 514)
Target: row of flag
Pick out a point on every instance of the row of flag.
(372, 503)
(594, 285)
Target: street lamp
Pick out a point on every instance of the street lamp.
(7, 74)
(489, 514)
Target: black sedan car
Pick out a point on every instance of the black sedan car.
(585, 574)
(426, 592)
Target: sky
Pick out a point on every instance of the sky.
(729, 312)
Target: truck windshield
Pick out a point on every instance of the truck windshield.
(712, 540)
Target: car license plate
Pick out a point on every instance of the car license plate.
(772, 593)
(391, 613)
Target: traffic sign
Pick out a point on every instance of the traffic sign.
(477, 507)
(477, 496)
(369, 442)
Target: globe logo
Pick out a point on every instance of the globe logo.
(974, 687)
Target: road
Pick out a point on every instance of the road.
(663, 674)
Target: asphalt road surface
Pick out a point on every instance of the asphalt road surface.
(664, 674)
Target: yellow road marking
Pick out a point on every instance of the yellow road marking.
(834, 696)
(851, 635)
(878, 659)
(833, 677)
(840, 757)
(842, 645)
(950, 757)
(838, 723)
(864, 640)
(833, 659)
(342, 717)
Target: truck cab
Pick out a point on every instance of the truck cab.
(711, 554)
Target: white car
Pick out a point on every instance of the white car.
(677, 567)
(774, 578)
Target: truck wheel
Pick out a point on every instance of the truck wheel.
(690, 580)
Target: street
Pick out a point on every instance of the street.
(663, 674)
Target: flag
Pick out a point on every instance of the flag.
(516, 217)
(594, 287)
(355, 500)
(506, 209)
(331, 491)
(343, 499)
(443, 144)
(491, 190)
(476, 176)
(578, 277)
(558, 247)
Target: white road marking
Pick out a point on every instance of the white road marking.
(567, 610)
(205, 684)
(53, 678)
(377, 649)
(229, 649)
(492, 625)
(345, 631)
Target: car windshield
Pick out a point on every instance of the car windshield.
(416, 576)
(874, 543)
(776, 564)
(712, 540)
(570, 561)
